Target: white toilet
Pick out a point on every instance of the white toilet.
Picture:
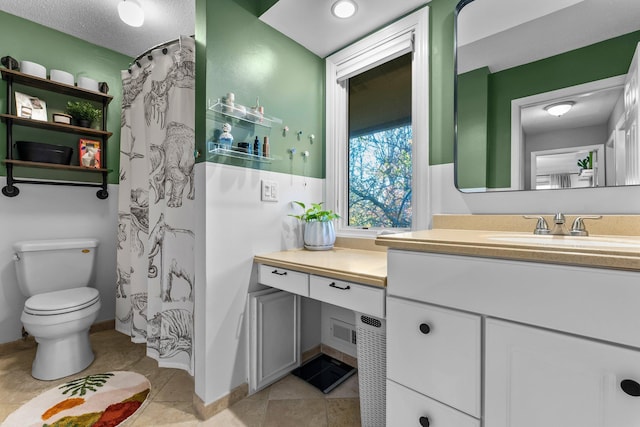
(61, 307)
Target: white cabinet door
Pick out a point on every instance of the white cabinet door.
(539, 378)
(436, 352)
(274, 336)
(407, 408)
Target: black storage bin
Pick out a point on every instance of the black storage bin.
(47, 153)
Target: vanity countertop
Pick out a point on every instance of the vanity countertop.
(355, 265)
(615, 252)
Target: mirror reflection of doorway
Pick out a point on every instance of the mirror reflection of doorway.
(560, 168)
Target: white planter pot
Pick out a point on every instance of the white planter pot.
(319, 236)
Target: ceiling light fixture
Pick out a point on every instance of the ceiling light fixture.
(559, 108)
(131, 13)
(344, 9)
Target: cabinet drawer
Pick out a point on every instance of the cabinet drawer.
(407, 408)
(436, 352)
(287, 280)
(362, 298)
(566, 298)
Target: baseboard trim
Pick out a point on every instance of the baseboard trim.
(105, 325)
(337, 354)
(311, 353)
(29, 342)
(204, 412)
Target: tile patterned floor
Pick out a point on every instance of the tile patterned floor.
(289, 402)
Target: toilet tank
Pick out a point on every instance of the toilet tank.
(53, 265)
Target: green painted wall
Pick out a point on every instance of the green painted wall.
(56, 50)
(471, 148)
(598, 61)
(441, 132)
(250, 59)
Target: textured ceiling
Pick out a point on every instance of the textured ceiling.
(97, 21)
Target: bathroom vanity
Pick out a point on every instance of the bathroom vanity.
(344, 277)
(503, 330)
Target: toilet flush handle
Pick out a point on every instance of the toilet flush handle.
(16, 257)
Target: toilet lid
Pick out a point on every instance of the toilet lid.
(60, 302)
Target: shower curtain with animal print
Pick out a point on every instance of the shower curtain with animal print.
(155, 256)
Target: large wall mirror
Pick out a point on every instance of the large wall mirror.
(546, 94)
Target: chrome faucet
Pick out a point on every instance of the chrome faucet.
(559, 229)
(558, 225)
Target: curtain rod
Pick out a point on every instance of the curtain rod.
(147, 52)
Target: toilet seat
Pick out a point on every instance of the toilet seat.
(61, 302)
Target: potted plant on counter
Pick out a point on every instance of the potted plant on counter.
(319, 233)
(83, 112)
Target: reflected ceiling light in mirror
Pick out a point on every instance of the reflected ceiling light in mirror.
(344, 9)
(560, 108)
(131, 13)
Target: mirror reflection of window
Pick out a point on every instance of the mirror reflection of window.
(577, 167)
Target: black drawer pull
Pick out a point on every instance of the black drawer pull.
(279, 274)
(631, 387)
(424, 328)
(333, 285)
(424, 421)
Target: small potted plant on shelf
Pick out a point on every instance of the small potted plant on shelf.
(83, 112)
(319, 233)
(586, 166)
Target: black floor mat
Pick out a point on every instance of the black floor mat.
(324, 372)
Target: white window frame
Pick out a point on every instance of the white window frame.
(378, 48)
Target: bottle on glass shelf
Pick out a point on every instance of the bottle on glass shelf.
(265, 147)
(257, 149)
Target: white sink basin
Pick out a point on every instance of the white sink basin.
(575, 242)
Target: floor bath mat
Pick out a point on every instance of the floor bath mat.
(100, 400)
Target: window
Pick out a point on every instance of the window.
(377, 135)
(379, 146)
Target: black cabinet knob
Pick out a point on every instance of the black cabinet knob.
(424, 421)
(424, 328)
(631, 387)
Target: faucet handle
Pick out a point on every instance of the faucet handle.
(541, 226)
(578, 228)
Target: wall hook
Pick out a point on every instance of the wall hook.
(299, 133)
(285, 130)
(312, 138)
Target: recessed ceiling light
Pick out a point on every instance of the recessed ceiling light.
(559, 108)
(344, 9)
(131, 13)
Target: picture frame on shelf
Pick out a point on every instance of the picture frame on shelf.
(89, 152)
(30, 107)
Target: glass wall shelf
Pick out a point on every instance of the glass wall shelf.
(217, 150)
(243, 113)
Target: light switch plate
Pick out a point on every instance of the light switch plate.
(269, 191)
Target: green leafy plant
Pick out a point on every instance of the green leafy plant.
(585, 163)
(315, 213)
(83, 110)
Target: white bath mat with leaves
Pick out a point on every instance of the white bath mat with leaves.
(100, 400)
